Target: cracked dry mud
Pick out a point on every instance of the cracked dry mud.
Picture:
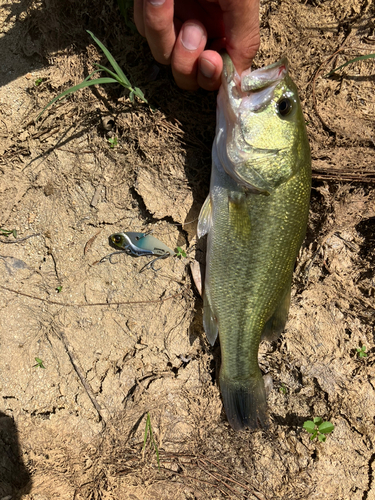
(75, 429)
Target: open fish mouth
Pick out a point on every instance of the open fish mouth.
(264, 77)
(253, 90)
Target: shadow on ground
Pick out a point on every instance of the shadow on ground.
(15, 479)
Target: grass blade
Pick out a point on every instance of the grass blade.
(148, 430)
(125, 6)
(360, 58)
(85, 83)
(138, 92)
(107, 70)
(92, 74)
(115, 77)
(148, 423)
(111, 59)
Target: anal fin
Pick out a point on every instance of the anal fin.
(276, 324)
(209, 322)
(205, 218)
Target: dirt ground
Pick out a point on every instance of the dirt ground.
(75, 428)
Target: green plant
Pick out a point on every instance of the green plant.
(39, 363)
(361, 351)
(38, 81)
(58, 289)
(112, 141)
(360, 58)
(318, 428)
(8, 232)
(283, 389)
(180, 252)
(148, 430)
(116, 76)
(126, 8)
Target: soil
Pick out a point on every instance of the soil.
(74, 427)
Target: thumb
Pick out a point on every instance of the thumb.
(241, 25)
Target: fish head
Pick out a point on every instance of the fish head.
(261, 136)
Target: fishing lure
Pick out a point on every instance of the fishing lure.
(139, 245)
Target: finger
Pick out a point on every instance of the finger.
(241, 22)
(209, 15)
(188, 47)
(210, 65)
(159, 28)
(138, 17)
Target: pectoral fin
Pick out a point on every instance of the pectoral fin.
(209, 321)
(276, 324)
(205, 218)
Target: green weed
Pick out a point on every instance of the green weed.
(38, 81)
(361, 351)
(116, 76)
(112, 141)
(148, 431)
(283, 389)
(360, 58)
(39, 363)
(180, 252)
(126, 8)
(318, 428)
(8, 232)
(58, 289)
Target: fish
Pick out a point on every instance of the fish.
(255, 218)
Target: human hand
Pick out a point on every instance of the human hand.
(178, 31)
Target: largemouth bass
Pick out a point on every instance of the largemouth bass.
(255, 217)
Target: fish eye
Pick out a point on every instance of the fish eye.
(284, 106)
(117, 238)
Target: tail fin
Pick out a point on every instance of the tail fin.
(244, 402)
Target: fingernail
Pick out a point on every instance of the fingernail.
(156, 2)
(207, 68)
(191, 36)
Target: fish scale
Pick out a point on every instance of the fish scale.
(255, 217)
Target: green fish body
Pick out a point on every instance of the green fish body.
(255, 217)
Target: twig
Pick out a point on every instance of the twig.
(79, 372)
(196, 479)
(319, 71)
(233, 480)
(90, 241)
(316, 76)
(20, 239)
(217, 479)
(66, 304)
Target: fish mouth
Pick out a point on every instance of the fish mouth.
(259, 85)
(253, 90)
(264, 77)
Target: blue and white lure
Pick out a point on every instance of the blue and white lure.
(139, 245)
